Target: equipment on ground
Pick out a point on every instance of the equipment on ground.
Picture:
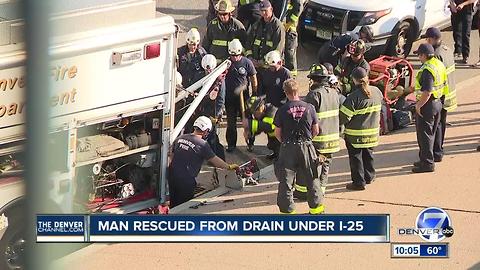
(394, 77)
(245, 175)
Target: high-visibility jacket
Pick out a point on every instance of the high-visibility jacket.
(218, 35)
(265, 37)
(439, 73)
(445, 54)
(326, 102)
(265, 124)
(361, 116)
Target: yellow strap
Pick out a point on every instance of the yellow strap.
(218, 42)
(300, 188)
(294, 18)
(371, 109)
(326, 138)
(317, 210)
(362, 132)
(270, 44)
(327, 114)
(347, 111)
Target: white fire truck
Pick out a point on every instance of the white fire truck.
(111, 95)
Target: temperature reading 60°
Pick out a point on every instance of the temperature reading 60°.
(433, 250)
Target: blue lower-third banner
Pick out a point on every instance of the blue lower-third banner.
(239, 228)
(216, 228)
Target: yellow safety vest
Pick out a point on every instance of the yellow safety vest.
(439, 72)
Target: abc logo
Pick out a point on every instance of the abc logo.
(448, 231)
(435, 224)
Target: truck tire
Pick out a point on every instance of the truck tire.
(400, 44)
(12, 244)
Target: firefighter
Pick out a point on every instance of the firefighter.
(272, 79)
(449, 98)
(361, 115)
(430, 82)
(356, 51)
(222, 30)
(190, 58)
(260, 119)
(212, 105)
(240, 73)
(324, 99)
(288, 11)
(264, 36)
(333, 51)
(188, 153)
(296, 124)
(249, 12)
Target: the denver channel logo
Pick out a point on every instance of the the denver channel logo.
(433, 225)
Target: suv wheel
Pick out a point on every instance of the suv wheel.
(401, 42)
(12, 244)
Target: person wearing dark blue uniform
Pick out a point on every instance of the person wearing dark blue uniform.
(240, 73)
(273, 77)
(462, 16)
(188, 153)
(296, 123)
(430, 82)
(433, 36)
(190, 59)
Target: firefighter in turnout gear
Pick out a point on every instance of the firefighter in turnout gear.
(449, 99)
(260, 119)
(326, 102)
(264, 36)
(296, 124)
(288, 11)
(190, 59)
(360, 113)
(249, 12)
(357, 50)
(222, 30)
(430, 84)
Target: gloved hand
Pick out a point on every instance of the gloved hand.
(214, 120)
(233, 166)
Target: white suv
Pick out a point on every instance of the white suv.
(396, 24)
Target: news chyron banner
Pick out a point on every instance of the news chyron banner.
(213, 228)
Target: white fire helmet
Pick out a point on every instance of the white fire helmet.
(209, 62)
(178, 78)
(193, 36)
(273, 58)
(203, 123)
(235, 47)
